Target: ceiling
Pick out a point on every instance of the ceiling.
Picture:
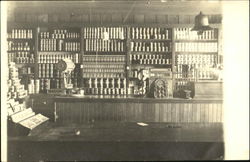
(152, 6)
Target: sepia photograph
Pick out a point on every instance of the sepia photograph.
(124, 80)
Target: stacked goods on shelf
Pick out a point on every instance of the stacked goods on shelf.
(50, 77)
(53, 58)
(149, 39)
(150, 47)
(103, 66)
(100, 56)
(20, 46)
(21, 51)
(60, 40)
(195, 56)
(195, 53)
(16, 89)
(149, 33)
(104, 40)
(105, 86)
(100, 45)
(22, 119)
(150, 59)
(196, 47)
(20, 34)
(104, 60)
(54, 46)
(196, 61)
(104, 74)
(103, 32)
(187, 34)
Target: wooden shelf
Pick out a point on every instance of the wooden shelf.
(27, 74)
(28, 64)
(102, 63)
(94, 55)
(78, 39)
(20, 39)
(57, 78)
(21, 51)
(129, 99)
(154, 65)
(202, 40)
(212, 53)
(105, 72)
(144, 52)
(105, 40)
(58, 52)
(54, 63)
(101, 52)
(149, 40)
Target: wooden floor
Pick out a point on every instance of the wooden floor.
(119, 141)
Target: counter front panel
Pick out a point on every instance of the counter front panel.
(81, 110)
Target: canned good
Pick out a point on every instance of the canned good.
(117, 91)
(109, 91)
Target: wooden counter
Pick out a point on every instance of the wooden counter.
(125, 109)
(124, 99)
(177, 129)
(122, 141)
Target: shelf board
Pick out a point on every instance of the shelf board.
(58, 51)
(142, 53)
(94, 55)
(73, 39)
(20, 39)
(149, 40)
(102, 63)
(211, 53)
(105, 40)
(20, 51)
(102, 77)
(104, 72)
(77, 40)
(56, 78)
(55, 63)
(101, 52)
(187, 40)
(155, 65)
(28, 64)
(28, 74)
(208, 80)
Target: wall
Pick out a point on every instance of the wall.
(110, 12)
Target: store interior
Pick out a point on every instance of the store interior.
(124, 80)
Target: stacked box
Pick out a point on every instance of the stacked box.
(16, 89)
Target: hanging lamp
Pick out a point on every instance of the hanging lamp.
(201, 24)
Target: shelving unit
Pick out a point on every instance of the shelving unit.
(196, 57)
(149, 47)
(114, 57)
(55, 44)
(21, 50)
(104, 60)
